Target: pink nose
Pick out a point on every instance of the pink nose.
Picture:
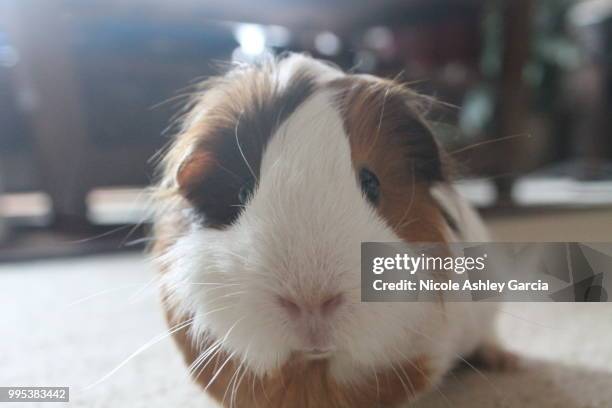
(324, 308)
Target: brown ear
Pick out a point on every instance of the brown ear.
(192, 171)
(211, 188)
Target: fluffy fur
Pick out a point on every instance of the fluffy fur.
(297, 240)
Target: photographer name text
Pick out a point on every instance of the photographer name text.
(467, 285)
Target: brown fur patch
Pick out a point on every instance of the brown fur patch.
(389, 137)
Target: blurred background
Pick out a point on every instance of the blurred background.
(88, 90)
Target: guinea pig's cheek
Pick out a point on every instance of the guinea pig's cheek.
(213, 277)
(197, 270)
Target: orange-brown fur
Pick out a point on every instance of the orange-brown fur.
(378, 117)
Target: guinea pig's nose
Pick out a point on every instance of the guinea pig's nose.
(324, 308)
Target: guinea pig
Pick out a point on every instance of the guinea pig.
(279, 171)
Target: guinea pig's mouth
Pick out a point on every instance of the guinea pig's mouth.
(317, 354)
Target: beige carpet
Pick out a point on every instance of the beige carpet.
(46, 340)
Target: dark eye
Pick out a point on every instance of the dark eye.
(246, 191)
(369, 185)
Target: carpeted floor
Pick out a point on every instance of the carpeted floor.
(53, 333)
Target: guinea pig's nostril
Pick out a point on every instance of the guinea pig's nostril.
(290, 306)
(332, 303)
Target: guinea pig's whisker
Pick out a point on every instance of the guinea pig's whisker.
(102, 235)
(140, 241)
(222, 167)
(211, 352)
(380, 119)
(252, 387)
(147, 215)
(407, 377)
(487, 142)
(174, 98)
(208, 313)
(233, 383)
(230, 386)
(245, 368)
(523, 319)
(251, 263)
(262, 384)
(209, 291)
(412, 194)
(195, 364)
(421, 372)
(254, 379)
(232, 294)
(240, 147)
(408, 392)
(219, 370)
(104, 292)
(142, 348)
(406, 223)
(174, 295)
(242, 257)
(207, 360)
(404, 358)
(476, 370)
(134, 297)
(203, 356)
(375, 372)
(213, 356)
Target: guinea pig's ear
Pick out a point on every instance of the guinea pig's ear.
(192, 171)
(210, 187)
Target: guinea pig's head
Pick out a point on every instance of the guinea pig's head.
(280, 172)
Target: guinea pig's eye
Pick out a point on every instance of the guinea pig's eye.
(369, 185)
(246, 191)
